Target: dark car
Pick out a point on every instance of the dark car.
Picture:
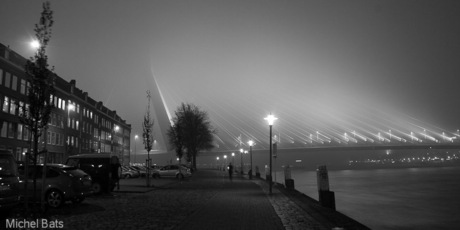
(62, 183)
(104, 169)
(9, 181)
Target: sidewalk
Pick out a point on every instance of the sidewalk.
(246, 204)
(207, 200)
(237, 204)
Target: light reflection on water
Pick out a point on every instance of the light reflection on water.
(413, 198)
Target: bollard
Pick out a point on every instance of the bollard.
(268, 177)
(288, 181)
(326, 197)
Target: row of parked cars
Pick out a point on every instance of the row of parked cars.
(176, 171)
(81, 176)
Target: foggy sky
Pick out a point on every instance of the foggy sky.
(314, 64)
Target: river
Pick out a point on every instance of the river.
(410, 198)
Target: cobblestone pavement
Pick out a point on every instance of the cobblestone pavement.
(291, 215)
(208, 200)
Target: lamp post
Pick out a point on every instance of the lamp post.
(112, 137)
(217, 162)
(135, 147)
(270, 119)
(233, 158)
(250, 143)
(225, 166)
(69, 107)
(241, 154)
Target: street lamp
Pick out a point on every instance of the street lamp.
(270, 119)
(241, 154)
(217, 162)
(233, 158)
(135, 146)
(225, 157)
(69, 107)
(250, 143)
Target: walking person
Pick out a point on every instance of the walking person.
(230, 171)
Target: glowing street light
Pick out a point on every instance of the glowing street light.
(35, 44)
(241, 154)
(233, 158)
(250, 143)
(135, 146)
(217, 162)
(270, 119)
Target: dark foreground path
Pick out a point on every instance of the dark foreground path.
(237, 204)
(207, 200)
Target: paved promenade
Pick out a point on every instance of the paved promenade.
(208, 200)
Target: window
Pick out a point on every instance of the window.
(11, 131)
(27, 88)
(58, 139)
(19, 136)
(6, 104)
(53, 138)
(23, 86)
(14, 86)
(48, 137)
(1, 76)
(7, 79)
(4, 129)
(26, 133)
(21, 108)
(59, 103)
(13, 107)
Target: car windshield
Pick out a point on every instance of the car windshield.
(7, 166)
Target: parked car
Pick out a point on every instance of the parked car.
(9, 181)
(62, 183)
(141, 169)
(177, 171)
(127, 172)
(103, 168)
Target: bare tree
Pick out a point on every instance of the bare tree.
(36, 113)
(147, 135)
(192, 131)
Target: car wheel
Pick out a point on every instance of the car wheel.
(78, 200)
(127, 176)
(54, 198)
(96, 187)
(180, 176)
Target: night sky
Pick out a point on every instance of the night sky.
(317, 65)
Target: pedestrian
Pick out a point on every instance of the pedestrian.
(230, 171)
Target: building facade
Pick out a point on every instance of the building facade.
(78, 124)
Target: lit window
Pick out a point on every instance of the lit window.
(6, 104)
(13, 107)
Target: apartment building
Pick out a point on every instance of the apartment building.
(78, 123)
